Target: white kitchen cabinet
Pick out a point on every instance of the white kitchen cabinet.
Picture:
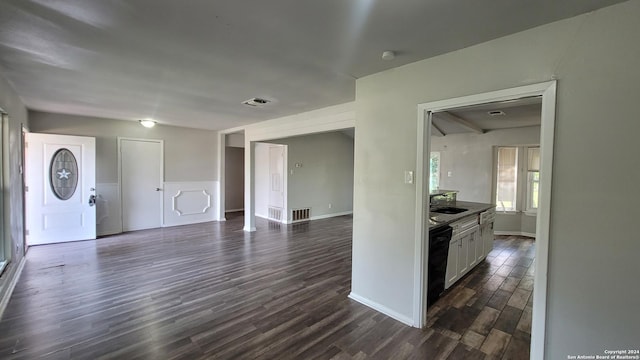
(462, 256)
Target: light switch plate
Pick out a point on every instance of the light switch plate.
(408, 177)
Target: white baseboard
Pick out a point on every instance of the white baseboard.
(381, 308)
(319, 217)
(11, 285)
(515, 233)
(234, 210)
(326, 216)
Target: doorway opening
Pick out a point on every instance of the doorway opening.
(547, 91)
(234, 174)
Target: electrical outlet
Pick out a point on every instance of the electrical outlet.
(330, 205)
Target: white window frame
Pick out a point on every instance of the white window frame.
(529, 209)
(435, 176)
(523, 181)
(517, 200)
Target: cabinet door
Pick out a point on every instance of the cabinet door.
(487, 238)
(452, 264)
(463, 253)
(479, 246)
(471, 249)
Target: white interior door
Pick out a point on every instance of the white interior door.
(276, 177)
(141, 183)
(60, 175)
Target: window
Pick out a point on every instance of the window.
(533, 178)
(507, 179)
(434, 170)
(517, 186)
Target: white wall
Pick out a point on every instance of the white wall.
(234, 178)
(190, 179)
(235, 140)
(515, 224)
(189, 154)
(325, 177)
(594, 57)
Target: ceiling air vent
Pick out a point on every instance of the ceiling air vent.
(255, 102)
(496, 113)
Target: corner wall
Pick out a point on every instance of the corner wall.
(592, 236)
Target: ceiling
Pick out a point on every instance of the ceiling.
(477, 119)
(194, 65)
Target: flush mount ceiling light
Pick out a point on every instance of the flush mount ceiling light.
(148, 123)
(388, 55)
(496, 113)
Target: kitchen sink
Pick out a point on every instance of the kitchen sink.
(448, 210)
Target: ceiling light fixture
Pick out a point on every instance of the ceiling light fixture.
(148, 123)
(496, 113)
(388, 55)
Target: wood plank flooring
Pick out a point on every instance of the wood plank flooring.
(212, 291)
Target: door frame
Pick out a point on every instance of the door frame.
(547, 126)
(161, 179)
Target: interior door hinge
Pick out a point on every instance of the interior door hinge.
(26, 188)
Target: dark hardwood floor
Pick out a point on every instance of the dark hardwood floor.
(212, 291)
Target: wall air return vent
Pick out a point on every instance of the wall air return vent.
(275, 213)
(300, 214)
(256, 102)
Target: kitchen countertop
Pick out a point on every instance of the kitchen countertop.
(444, 219)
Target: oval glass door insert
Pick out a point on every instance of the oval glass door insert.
(63, 173)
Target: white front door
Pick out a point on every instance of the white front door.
(60, 176)
(141, 183)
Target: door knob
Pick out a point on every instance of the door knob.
(158, 189)
(92, 200)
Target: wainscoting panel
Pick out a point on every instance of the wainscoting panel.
(190, 202)
(108, 209)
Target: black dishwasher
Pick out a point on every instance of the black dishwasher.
(438, 251)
